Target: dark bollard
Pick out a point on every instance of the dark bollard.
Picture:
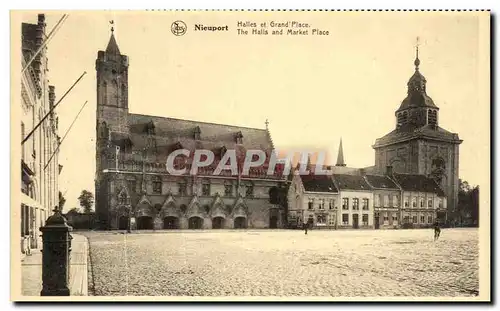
(55, 256)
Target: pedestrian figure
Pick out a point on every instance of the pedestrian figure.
(437, 231)
(305, 225)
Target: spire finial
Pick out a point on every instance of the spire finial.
(267, 124)
(417, 61)
(112, 22)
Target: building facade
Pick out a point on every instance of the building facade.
(386, 201)
(133, 187)
(423, 200)
(39, 177)
(313, 199)
(418, 145)
(356, 201)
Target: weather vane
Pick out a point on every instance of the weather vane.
(112, 22)
(417, 61)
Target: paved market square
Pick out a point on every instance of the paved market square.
(349, 263)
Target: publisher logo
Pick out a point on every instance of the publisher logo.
(178, 28)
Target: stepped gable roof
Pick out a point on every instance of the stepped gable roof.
(418, 183)
(409, 132)
(351, 182)
(318, 183)
(381, 182)
(29, 37)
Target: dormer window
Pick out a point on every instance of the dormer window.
(150, 128)
(239, 138)
(197, 133)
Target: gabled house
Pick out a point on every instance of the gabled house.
(423, 200)
(386, 201)
(313, 198)
(356, 201)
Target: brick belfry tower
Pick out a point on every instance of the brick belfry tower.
(418, 145)
(111, 116)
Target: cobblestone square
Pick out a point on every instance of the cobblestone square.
(339, 263)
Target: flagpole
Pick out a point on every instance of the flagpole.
(45, 42)
(67, 131)
(52, 109)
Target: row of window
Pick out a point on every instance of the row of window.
(321, 204)
(388, 200)
(430, 202)
(415, 219)
(431, 117)
(182, 188)
(355, 219)
(355, 204)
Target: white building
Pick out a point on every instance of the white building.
(40, 182)
(356, 201)
(313, 199)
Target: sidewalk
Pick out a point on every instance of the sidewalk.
(31, 269)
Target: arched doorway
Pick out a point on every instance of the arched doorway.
(170, 222)
(273, 222)
(123, 223)
(240, 223)
(144, 223)
(195, 222)
(218, 222)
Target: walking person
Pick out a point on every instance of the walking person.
(437, 231)
(305, 226)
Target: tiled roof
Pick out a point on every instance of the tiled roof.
(381, 182)
(418, 183)
(169, 131)
(407, 133)
(351, 182)
(318, 183)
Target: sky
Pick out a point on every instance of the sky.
(312, 89)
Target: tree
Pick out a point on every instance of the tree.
(86, 199)
(62, 200)
(468, 204)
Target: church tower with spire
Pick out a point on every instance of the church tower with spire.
(418, 145)
(340, 156)
(111, 116)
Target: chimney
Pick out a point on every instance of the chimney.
(362, 172)
(389, 170)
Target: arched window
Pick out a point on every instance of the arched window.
(432, 117)
(405, 117)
